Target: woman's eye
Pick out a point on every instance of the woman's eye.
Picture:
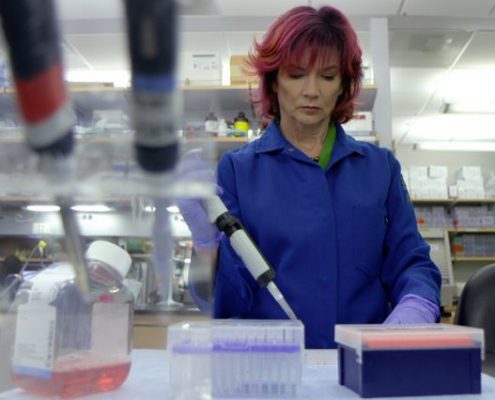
(329, 77)
(296, 75)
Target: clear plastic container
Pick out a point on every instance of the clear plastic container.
(236, 358)
(65, 345)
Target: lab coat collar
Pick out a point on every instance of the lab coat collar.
(344, 146)
(272, 140)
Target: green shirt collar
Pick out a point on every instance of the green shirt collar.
(326, 150)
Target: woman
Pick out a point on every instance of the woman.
(330, 214)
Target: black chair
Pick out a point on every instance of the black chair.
(476, 308)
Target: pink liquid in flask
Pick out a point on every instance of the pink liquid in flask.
(76, 376)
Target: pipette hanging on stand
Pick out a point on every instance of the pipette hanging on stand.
(33, 40)
(152, 39)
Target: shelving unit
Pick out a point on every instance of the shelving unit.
(474, 259)
(471, 230)
(89, 97)
(462, 266)
(452, 202)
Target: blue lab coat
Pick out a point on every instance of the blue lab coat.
(344, 242)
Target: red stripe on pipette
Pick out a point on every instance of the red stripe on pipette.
(40, 97)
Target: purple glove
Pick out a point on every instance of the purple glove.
(413, 309)
(204, 234)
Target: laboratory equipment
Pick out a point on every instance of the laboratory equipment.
(152, 42)
(440, 253)
(410, 360)
(152, 39)
(236, 358)
(33, 40)
(241, 123)
(64, 345)
(246, 249)
(211, 124)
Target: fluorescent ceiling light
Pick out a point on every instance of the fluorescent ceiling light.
(119, 78)
(170, 209)
(457, 146)
(43, 208)
(91, 208)
(453, 128)
(465, 83)
(471, 107)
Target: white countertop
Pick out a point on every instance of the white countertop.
(148, 379)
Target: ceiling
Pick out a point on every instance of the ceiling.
(440, 51)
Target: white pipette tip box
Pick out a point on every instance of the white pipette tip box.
(236, 358)
(410, 360)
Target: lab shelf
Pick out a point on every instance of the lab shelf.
(368, 138)
(198, 98)
(34, 260)
(22, 201)
(474, 259)
(195, 98)
(453, 201)
(471, 230)
(460, 239)
(432, 233)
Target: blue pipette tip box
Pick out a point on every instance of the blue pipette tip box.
(236, 358)
(410, 360)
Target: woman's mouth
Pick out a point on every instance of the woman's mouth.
(310, 109)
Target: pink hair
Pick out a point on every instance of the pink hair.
(322, 32)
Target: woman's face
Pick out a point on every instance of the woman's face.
(307, 96)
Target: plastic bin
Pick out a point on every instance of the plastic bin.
(236, 358)
(409, 360)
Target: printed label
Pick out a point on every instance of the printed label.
(34, 339)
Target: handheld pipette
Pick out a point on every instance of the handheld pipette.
(33, 40)
(246, 249)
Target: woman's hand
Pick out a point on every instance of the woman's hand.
(413, 309)
(204, 233)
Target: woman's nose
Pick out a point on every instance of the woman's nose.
(310, 86)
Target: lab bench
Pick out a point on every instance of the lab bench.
(148, 379)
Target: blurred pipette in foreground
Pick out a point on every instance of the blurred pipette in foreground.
(152, 42)
(33, 40)
(246, 249)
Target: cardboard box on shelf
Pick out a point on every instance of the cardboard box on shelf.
(239, 71)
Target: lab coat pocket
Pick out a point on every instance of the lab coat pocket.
(369, 225)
